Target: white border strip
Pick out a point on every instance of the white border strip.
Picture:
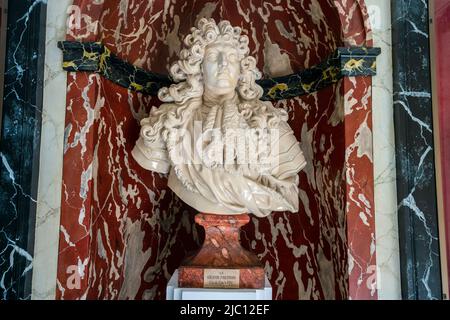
(385, 192)
(51, 157)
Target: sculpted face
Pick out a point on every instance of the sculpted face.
(221, 69)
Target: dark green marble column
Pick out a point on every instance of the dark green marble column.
(416, 180)
(19, 144)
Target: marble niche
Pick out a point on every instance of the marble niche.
(123, 232)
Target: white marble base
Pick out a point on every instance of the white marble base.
(175, 293)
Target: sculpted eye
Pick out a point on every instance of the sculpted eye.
(211, 57)
(232, 57)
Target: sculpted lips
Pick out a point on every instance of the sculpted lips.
(223, 75)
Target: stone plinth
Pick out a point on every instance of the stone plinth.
(174, 292)
(221, 262)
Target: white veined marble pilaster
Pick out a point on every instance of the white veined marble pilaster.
(51, 159)
(386, 225)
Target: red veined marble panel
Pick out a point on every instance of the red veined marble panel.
(442, 75)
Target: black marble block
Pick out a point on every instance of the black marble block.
(344, 62)
(19, 144)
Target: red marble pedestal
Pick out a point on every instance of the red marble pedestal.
(221, 262)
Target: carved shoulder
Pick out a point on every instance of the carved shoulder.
(150, 150)
(151, 157)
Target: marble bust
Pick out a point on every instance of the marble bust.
(225, 151)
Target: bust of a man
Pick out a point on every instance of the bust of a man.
(226, 151)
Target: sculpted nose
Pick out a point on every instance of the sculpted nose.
(222, 60)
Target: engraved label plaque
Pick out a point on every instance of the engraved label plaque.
(221, 278)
